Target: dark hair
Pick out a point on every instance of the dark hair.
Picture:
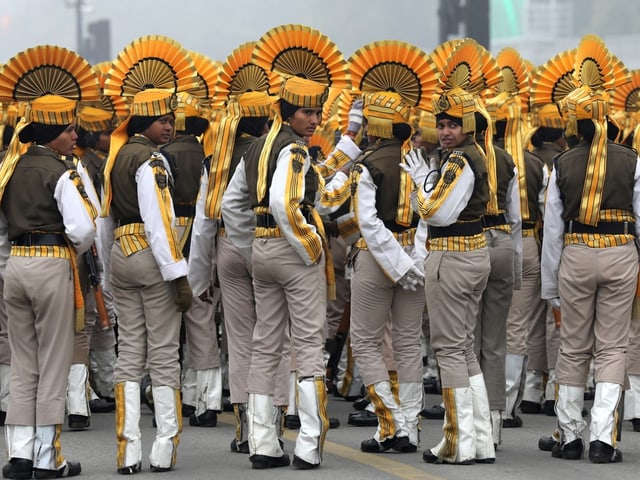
(481, 122)
(401, 131)
(7, 134)
(287, 109)
(314, 152)
(612, 131)
(41, 133)
(446, 116)
(138, 124)
(545, 134)
(84, 137)
(501, 127)
(194, 126)
(254, 126)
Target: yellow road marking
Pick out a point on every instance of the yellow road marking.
(380, 462)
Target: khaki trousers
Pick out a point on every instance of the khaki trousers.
(38, 297)
(5, 351)
(148, 323)
(376, 301)
(454, 282)
(491, 328)
(288, 293)
(596, 287)
(528, 309)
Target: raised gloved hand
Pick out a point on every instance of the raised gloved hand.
(355, 117)
(416, 166)
(184, 295)
(412, 279)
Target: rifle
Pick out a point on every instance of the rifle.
(91, 256)
(335, 345)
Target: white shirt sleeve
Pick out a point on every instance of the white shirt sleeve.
(104, 244)
(636, 199)
(158, 216)
(88, 185)
(553, 242)
(442, 206)
(420, 251)
(514, 218)
(542, 195)
(5, 245)
(336, 183)
(202, 250)
(282, 196)
(78, 221)
(389, 254)
(239, 219)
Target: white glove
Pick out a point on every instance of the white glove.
(411, 280)
(555, 302)
(355, 117)
(416, 167)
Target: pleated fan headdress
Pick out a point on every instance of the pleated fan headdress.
(511, 105)
(596, 73)
(49, 81)
(394, 77)
(626, 98)
(147, 73)
(468, 70)
(310, 64)
(246, 90)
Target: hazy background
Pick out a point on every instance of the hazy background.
(538, 28)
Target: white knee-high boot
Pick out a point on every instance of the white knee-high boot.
(411, 395)
(77, 396)
(168, 414)
(264, 447)
(515, 372)
(603, 420)
(569, 411)
(458, 444)
(314, 422)
(128, 435)
(485, 450)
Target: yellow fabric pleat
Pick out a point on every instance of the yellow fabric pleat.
(78, 298)
(490, 158)
(404, 214)
(121, 440)
(57, 446)
(513, 144)
(11, 157)
(221, 160)
(321, 398)
(263, 162)
(118, 138)
(182, 241)
(395, 385)
(450, 427)
(596, 169)
(166, 207)
(386, 423)
(131, 237)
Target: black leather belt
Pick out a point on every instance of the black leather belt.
(128, 221)
(463, 229)
(266, 220)
(184, 210)
(395, 228)
(528, 225)
(603, 228)
(39, 240)
(490, 221)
